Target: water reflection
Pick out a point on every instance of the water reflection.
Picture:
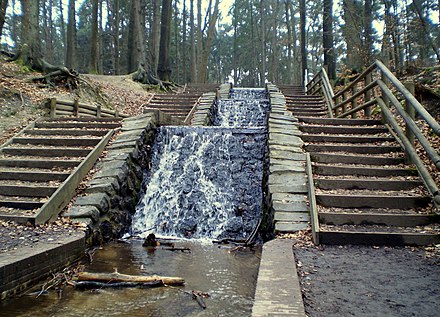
(229, 278)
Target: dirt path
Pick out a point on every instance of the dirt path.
(367, 281)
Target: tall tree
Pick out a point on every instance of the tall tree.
(71, 36)
(31, 53)
(327, 41)
(155, 36)
(302, 12)
(164, 68)
(193, 66)
(94, 51)
(3, 6)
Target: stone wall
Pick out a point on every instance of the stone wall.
(109, 200)
(287, 171)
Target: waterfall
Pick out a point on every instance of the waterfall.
(206, 182)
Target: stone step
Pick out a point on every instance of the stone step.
(46, 164)
(370, 184)
(27, 191)
(337, 121)
(355, 159)
(377, 218)
(34, 176)
(362, 149)
(342, 129)
(344, 138)
(362, 171)
(57, 141)
(372, 201)
(46, 152)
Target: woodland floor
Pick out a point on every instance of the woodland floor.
(367, 281)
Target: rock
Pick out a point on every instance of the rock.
(99, 200)
(77, 211)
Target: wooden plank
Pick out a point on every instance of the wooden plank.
(47, 152)
(372, 201)
(48, 164)
(67, 190)
(396, 220)
(33, 176)
(27, 191)
(378, 238)
(312, 200)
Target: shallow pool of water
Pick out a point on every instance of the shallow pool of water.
(228, 277)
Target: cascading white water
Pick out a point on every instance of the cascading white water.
(206, 182)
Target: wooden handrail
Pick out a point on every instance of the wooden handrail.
(393, 91)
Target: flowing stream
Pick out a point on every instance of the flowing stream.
(204, 183)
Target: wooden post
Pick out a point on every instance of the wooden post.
(98, 111)
(116, 114)
(76, 107)
(412, 113)
(354, 103)
(53, 107)
(344, 97)
(368, 94)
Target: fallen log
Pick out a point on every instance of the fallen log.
(93, 284)
(118, 277)
(182, 249)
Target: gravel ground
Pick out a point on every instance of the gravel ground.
(14, 236)
(368, 281)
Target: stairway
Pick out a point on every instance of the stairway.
(42, 157)
(365, 192)
(180, 104)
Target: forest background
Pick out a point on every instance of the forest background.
(248, 42)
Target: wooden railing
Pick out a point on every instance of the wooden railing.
(75, 108)
(378, 87)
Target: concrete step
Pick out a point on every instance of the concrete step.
(344, 139)
(362, 171)
(361, 149)
(377, 218)
(370, 184)
(354, 159)
(342, 129)
(337, 121)
(372, 201)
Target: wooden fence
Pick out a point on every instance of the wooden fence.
(60, 108)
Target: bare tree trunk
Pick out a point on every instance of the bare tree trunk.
(368, 33)
(176, 42)
(263, 44)
(327, 30)
(163, 68)
(116, 36)
(94, 52)
(302, 12)
(184, 44)
(155, 37)
(199, 54)
(71, 37)
(207, 49)
(193, 45)
(31, 53)
(289, 42)
(235, 44)
(3, 6)
(418, 7)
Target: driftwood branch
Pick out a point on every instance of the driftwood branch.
(93, 284)
(118, 277)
